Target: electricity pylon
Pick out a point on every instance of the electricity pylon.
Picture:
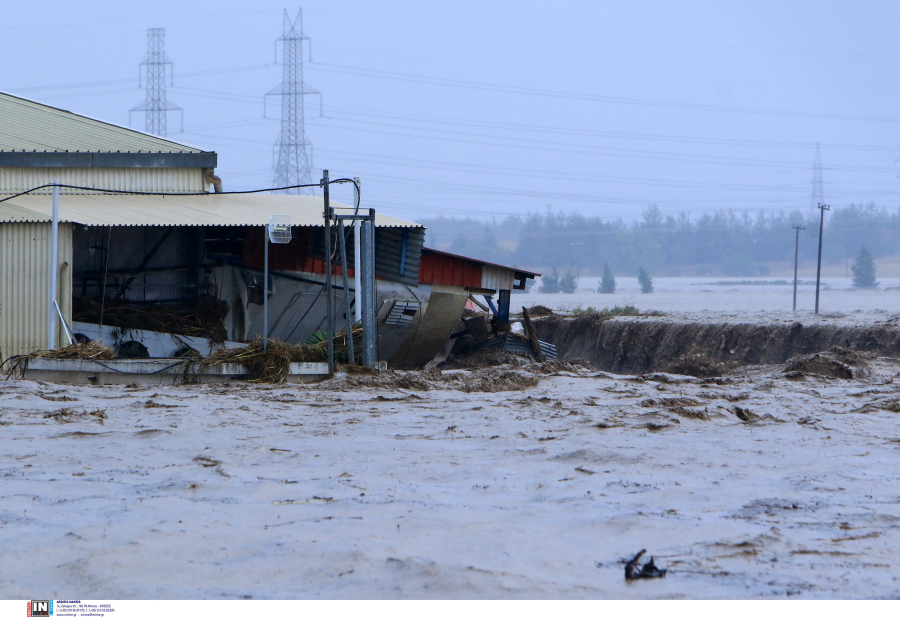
(292, 163)
(155, 105)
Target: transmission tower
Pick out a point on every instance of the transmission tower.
(292, 164)
(818, 193)
(155, 105)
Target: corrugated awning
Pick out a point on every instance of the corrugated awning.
(179, 210)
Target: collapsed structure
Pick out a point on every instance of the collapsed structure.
(152, 262)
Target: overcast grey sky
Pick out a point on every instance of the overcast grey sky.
(490, 108)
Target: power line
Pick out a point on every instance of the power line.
(559, 94)
(580, 131)
(570, 148)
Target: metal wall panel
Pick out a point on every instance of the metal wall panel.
(449, 270)
(496, 278)
(25, 283)
(173, 180)
(389, 251)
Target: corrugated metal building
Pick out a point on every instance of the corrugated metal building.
(140, 248)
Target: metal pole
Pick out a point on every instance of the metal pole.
(54, 260)
(346, 293)
(357, 275)
(329, 307)
(796, 256)
(266, 287)
(822, 209)
(370, 350)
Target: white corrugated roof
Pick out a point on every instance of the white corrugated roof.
(179, 210)
(30, 126)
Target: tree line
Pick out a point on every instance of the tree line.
(716, 243)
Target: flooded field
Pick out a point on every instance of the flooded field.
(698, 295)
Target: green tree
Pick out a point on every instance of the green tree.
(568, 283)
(645, 280)
(550, 283)
(864, 270)
(608, 281)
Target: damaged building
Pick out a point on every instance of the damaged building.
(155, 260)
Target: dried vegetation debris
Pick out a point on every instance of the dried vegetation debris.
(93, 350)
(272, 363)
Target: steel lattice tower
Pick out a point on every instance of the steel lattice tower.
(818, 191)
(292, 164)
(156, 105)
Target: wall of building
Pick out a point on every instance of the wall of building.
(170, 180)
(25, 285)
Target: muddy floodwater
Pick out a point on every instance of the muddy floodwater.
(519, 480)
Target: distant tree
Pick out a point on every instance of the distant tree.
(864, 270)
(645, 280)
(608, 281)
(568, 282)
(550, 283)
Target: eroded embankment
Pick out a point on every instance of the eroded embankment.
(646, 344)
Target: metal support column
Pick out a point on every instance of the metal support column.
(54, 261)
(265, 287)
(503, 304)
(357, 275)
(329, 302)
(343, 242)
(367, 266)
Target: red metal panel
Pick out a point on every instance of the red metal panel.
(447, 270)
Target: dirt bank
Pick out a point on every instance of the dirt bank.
(645, 344)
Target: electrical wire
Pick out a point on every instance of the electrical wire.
(123, 192)
(559, 94)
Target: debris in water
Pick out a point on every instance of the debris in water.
(648, 571)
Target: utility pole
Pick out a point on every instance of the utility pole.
(822, 209)
(292, 166)
(156, 105)
(796, 256)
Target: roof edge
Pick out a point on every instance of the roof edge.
(527, 273)
(108, 159)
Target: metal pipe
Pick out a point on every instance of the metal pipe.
(357, 275)
(822, 209)
(65, 326)
(266, 287)
(329, 303)
(346, 293)
(54, 267)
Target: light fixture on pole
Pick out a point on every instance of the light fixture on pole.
(278, 231)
